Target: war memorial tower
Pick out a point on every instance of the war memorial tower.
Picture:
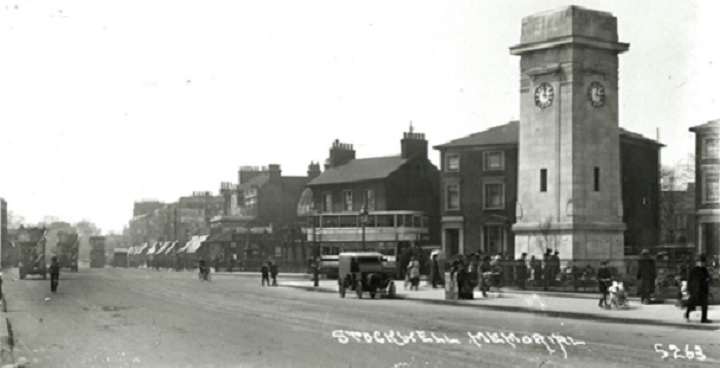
(569, 189)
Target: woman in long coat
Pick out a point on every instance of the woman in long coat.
(646, 276)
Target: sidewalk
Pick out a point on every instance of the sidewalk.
(6, 336)
(547, 304)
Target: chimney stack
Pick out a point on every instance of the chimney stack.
(313, 170)
(274, 172)
(413, 144)
(340, 154)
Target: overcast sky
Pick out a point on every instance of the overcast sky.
(103, 103)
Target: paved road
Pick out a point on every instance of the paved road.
(141, 318)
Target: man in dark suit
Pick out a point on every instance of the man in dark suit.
(646, 276)
(698, 288)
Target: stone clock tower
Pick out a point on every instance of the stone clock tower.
(569, 192)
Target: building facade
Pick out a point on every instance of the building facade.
(259, 216)
(707, 188)
(480, 191)
(383, 204)
(677, 216)
(5, 246)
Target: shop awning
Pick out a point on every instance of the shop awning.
(163, 248)
(195, 244)
(173, 246)
(141, 249)
(154, 247)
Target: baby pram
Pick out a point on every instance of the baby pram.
(618, 297)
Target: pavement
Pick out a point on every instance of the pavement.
(551, 304)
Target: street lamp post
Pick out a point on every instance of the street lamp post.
(363, 222)
(316, 254)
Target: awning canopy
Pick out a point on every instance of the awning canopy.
(173, 245)
(194, 244)
(154, 247)
(163, 248)
(142, 249)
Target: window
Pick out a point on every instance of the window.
(493, 239)
(494, 161)
(327, 202)
(712, 150)
(347, 200)
(452, 197)
(543, 180)
(370, 199)
(711, 187)
(596, 179)
(453, 162)
(494, 193)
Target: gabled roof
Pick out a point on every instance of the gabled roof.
(359, 170)
(509, 134)
(502, 134)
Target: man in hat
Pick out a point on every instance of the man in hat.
(646, 276)
(698, 288)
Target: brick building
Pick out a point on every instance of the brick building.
(259, 218)
(399, 194)
(480, 190)
(707, 188)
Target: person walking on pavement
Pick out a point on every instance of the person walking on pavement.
(273, 273)
(521, 271)
(698, 288)
(485, 276)
(54, 274)
(547, 268)
(265, 274)
(604, 277)
(681, 276)
(555, 260)
(646, 276)
(536, 268)
(414, 273)
(435, 271)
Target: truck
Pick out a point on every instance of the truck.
(30, 251)
(120, 257)
(67, 250)
(97, 251)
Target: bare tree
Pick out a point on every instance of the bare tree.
(545, 239)
(674, 199)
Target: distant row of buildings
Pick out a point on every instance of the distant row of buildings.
(390, 203)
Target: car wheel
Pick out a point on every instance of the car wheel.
(391, 290)
(359, 290)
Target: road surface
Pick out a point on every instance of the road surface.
(146, 318)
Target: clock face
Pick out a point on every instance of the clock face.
(596, 94)
(544, 95)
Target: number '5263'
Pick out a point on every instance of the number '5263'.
(679, 354)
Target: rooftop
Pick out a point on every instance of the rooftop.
(358, 170)
(508, 134)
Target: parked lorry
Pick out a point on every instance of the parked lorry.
(67, 250)
(30, 248)
(97, 251)
(120, 257)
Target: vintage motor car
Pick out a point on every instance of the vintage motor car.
(364, 272)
